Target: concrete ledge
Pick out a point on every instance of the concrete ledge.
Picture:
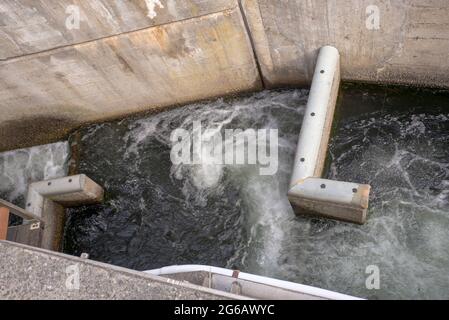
(32, 273)
(31, 27)
(68, 191)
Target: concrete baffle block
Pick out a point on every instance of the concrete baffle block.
(308, 192)
(48, 200)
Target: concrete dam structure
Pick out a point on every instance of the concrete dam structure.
(127, 57)
(92, 91)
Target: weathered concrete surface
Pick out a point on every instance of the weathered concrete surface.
(159, 66)
(31, 273)
(411, 46)
(131, 56)
(30, 26)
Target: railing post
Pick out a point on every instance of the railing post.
(4, 220)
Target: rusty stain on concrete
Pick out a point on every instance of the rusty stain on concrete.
(173, 46)
(101, 18)
(166, 65)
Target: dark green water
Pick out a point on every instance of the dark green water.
(158, 214)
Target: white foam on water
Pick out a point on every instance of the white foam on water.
(404, 156)
(19, 168)
(264, 198)
(406, 232)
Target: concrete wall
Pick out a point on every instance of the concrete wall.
(108, 69)
(30, 26)
(410, 47)
(127, 57)
(32, 273)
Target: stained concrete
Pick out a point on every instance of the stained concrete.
(410, 47)
(170, 64)
(31, 273)
(132, 56)
(127, 57)
(30, 26)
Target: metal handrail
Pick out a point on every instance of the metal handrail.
(25, 215)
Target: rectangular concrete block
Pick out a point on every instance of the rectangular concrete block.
(348, 213)
(53, 215)
(48, 199)
(71, 191)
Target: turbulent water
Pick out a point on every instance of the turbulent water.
(398, 143)
(158, 214)
(20, 167)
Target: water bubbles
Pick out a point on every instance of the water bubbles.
(206, 213)
(404, 156)
(230, 216)
(20, 167)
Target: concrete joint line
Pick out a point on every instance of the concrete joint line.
(251, 42)
(308, 192)
(113, 36)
